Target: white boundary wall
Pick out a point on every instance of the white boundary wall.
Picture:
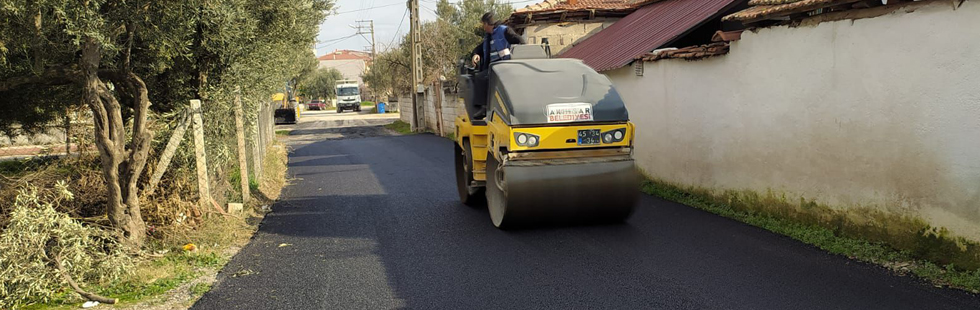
(881, 112)
(449, 103)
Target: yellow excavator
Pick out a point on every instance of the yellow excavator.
(543, 141)
(286, 109)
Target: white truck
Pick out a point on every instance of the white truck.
(348, 96)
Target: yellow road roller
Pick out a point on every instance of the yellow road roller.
(544, 141)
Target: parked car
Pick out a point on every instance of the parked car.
(317, 105)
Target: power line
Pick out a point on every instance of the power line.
(334, 41)
(369, 29)
(338, 39)
(399, 28)
(370, 8)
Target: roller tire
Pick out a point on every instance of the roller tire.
(496, 196)
(468, 195)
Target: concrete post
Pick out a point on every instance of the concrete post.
(168, 154)
(242, 160)
(203, 184)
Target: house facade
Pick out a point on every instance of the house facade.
(351, 64)
(564, 23)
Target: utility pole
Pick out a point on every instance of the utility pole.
(368, 29)
(418, 94)
(374, 47)
(362, 30)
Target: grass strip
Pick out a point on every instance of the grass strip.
(400, 127)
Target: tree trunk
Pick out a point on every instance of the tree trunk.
(120, 168)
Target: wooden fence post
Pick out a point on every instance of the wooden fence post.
(203, 184)
(242, 160)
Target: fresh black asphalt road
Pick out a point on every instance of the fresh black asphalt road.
(372, 221)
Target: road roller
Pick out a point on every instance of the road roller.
(544, 141)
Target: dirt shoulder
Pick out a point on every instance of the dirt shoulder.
(191, 274)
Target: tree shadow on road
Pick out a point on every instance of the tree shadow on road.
(376, 223)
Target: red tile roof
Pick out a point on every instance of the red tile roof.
(690, 53)
(574, 10)
(570, 5)
(769, 9)
(345, 55)
(645, 30)
(726, 36)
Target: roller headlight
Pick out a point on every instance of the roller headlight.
(526, 140)
(614, 136)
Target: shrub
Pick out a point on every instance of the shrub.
(37, 234)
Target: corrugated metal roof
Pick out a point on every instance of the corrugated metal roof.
(645, 30)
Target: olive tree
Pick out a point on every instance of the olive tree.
(321, 83)
(114, 56)
(83, 52)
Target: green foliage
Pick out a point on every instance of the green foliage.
(182, 49)
(37, 234)
(320, 84)
(460, 21)
(810, 231)
(214, 50)
(18, 167)
(453, 35)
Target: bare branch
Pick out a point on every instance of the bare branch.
(127, 52)
(76, 288)
(51, 76)
(406, 66)
(139, 149)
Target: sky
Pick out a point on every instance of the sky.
(387, 16)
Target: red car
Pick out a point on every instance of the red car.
(317, 105)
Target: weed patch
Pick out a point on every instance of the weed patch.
(199, 289)
(17, 167)
(400, 127)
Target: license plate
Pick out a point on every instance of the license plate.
(589, 137)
